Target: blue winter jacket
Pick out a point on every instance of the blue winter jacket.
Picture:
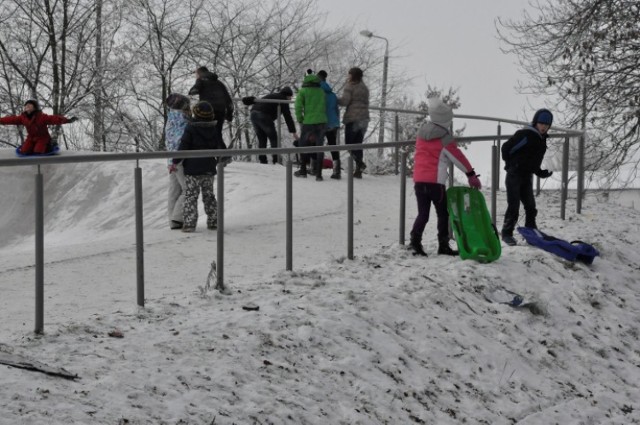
(174, 129)
(333, 112)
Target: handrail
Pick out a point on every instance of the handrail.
(73, 157)
(569, 132)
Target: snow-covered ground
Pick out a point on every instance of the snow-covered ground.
(387, 338)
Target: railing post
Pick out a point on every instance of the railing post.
(350, 207)
(279, 131)
(581, 142)
(565, 178)
(495, 176)
(139, 235)
(289, 214)
(397, 148)
(39, 328)
(495, 161)
(403, 195)
(220, 230)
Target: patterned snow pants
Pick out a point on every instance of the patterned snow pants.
(194, 184)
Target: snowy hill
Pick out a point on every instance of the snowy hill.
(388, 338)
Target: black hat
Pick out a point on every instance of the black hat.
(33, 102)
(177, 101)
(542, 116)
(322, 74)
(203, 111)
(286, 90)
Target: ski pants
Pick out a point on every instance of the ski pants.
(519, 189)
(177, 188)
(194, 185)
(354, 135)
(312, 135)
(265, 129)
(332, 140)
(426, 194)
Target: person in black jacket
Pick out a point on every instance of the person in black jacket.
(199, 172)
(263, 116)
(210, 89)
(523, 154)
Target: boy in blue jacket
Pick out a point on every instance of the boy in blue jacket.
(523, 154)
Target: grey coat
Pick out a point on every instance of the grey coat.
(356, 99)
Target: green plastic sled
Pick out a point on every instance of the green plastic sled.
(471, 222)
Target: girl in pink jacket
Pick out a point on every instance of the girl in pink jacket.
(436, 149)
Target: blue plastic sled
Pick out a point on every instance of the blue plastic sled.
(54, 151)
(572, 251)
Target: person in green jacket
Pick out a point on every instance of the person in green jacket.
(311, 113)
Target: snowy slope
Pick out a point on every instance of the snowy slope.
(388, 338)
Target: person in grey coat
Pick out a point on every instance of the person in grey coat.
(355, 97)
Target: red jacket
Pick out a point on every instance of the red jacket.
(38, 136)
(435, 150)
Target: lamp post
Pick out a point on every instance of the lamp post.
(385, 68)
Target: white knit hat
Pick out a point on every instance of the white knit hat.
(439, 112)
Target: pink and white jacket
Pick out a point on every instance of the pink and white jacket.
(436, 149)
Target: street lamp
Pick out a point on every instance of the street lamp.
(385, 68)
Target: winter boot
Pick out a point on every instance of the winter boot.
(336, 170)
(319, 174)
(509, 239)
(302, 172)
(445, 249)
(416, 245)
(360, 166)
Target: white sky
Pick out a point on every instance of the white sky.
(386, 338)
(445, 44)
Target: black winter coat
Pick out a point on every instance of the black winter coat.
(524, 151)
(210, 89)
(271, 110)
(200, 135)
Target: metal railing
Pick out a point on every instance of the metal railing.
(399, 146)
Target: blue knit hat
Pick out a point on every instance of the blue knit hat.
(542, 116)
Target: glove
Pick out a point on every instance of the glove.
(172, 168)
(73, 119)
(474, 181)
(543, 174)
(249, 100)
(229, 116)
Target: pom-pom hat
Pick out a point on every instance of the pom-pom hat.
(440, 113)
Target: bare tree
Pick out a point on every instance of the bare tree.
(587, 54)
(43, 53)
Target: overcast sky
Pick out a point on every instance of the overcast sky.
(445, 44)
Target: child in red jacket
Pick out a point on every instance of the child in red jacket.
(435, 150)
(38, 140)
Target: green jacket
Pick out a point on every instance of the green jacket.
(310, 102)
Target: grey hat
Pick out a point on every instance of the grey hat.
(439, 113)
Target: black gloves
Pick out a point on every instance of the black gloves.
(249, 100)
(229, 115)
(73, 119)
(543, 174)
